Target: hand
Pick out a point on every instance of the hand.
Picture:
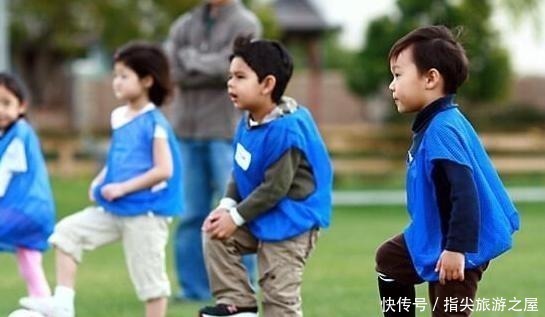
(219, 224)
(113, 191)
(212, 217)
(450, 266)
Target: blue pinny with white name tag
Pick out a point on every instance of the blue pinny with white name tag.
(257, 148)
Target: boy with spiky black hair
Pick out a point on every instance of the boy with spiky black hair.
(279, 194)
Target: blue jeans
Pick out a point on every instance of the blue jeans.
(207, 168)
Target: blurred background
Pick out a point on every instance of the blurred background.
(62, 49)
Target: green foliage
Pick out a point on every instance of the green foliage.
(70, 27)
(371, 70)
(47, 34)
(265, 13)
(334, 56)
(490, 70)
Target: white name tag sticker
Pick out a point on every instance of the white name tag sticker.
(242, 157)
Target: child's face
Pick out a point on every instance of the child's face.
(408, 86)
(243, 86)
(10, 108)
(127, 86)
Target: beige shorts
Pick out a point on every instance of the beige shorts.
(144, 240)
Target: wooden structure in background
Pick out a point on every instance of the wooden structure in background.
(300, 21)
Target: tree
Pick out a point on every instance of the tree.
(490, 69)
(47, 34)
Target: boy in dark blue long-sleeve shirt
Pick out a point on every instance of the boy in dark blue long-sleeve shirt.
(460, 214)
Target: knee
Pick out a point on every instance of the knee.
(381, 256)
(63, 227)
(211, 246)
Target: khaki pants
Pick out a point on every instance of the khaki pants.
(144, 239)
(280, 264)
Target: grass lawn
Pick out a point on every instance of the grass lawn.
(339, 280)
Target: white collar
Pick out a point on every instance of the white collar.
(119, 116)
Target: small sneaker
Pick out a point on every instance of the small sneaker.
(43, 305)
(47, 306)
(221, 310)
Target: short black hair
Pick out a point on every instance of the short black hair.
(14, 85)
(147, 59)
(436, 47)
(266, 57)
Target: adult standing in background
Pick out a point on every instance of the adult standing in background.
(199, 45)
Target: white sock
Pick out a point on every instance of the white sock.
(64, 296)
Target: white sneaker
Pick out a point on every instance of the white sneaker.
(43, 305)
(25, 313)
(47, 306)
(64, 311)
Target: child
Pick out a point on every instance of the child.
(137, 191)
(27, 211)
(279, 194)
(461, 215)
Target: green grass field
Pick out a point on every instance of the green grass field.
(339, 280)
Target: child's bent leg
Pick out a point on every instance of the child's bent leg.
(456, 298)
(396, 278)
(30, 267)
(281, 266)
(226, 273)
(82, 231)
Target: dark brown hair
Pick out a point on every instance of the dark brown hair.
(147, 59)
(435, 47)
(265, 58)
(14, 85)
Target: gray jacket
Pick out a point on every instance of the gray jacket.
(199, 50)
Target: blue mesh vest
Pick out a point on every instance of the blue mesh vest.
(27, 210)
(131, 154)
(450, 136)
(257, 148)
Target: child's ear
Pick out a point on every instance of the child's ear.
(22, 108)
(269, 82)
(433, 78)
(147, 81)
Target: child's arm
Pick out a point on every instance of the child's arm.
(161, 171)
(13, 161)
(97, 180)
(458, 202)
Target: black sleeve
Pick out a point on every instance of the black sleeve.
(458, 202)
